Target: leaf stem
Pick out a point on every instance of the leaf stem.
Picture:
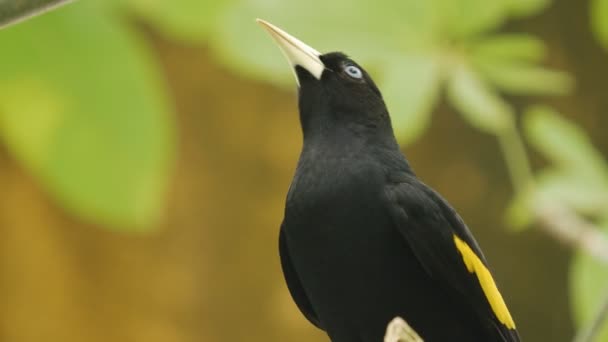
(565, 225)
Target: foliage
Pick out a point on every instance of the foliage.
(577, 178)
(188, 20)
(599, 20)
(83, 107)
(588, 286)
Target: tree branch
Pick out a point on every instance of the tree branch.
(14, 11)
(399, 331)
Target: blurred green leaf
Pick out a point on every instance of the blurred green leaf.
(525, 79)
(588, 286)
(477, 102)
(82, 106)
(599, 20)
(189, 20)
(509, 63)
(519, 214)
(581, 194)
(509, 48)
(585, 196)
(524, 8)
(465, 18)
(410, 102)
(564, 144)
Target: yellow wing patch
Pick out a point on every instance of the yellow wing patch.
(475, 265)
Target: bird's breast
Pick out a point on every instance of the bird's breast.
(330, 189)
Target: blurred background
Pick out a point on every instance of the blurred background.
(146, 148)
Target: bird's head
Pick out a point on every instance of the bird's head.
(334, 91)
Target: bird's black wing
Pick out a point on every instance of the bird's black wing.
(445, 247)
(293, 283)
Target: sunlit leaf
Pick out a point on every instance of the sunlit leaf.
(599, 20)
(524, 8)
(477, 102)
(190, 20)
(525, 79)
(564, 144)
(509, 47)
(82, 106)
(588, 288)
(410, 88)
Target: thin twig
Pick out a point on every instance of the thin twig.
(567, 226)
(14, 11)
(516, 158)
(399, 331)
(589, 333)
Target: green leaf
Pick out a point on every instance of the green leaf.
(509, 48)
(599, 20)
(557, 186)
(525, 79)
(588, 288)
(509, 63)
(519, 214)
(583, 195)
(189, 20)
(83, 107)
(524, 8)
(410, 102)
(477, 102)
(466, 18)
(565, 144)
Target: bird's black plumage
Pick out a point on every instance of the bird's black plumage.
(364, 240)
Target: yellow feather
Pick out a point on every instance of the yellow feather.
(474, 265)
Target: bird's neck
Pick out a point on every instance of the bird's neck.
(339, 147)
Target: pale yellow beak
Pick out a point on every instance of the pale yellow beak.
(296, 52)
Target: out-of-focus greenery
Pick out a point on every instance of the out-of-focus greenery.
(83, 106)
(187, 20)
(577, 178)
(599, 20)
(589, 284)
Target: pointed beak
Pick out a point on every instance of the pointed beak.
(296, 52)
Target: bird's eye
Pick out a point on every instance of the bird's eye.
(353, 71)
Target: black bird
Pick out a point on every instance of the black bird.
(363, 239)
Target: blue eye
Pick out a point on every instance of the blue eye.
(353, 71)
